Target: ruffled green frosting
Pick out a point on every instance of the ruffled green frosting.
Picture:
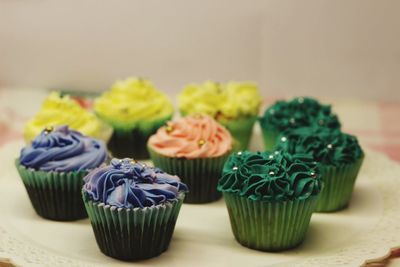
(266, 176)
(299, 112)
(330, 147)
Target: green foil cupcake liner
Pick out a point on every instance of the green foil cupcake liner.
(54, 195)
(133, 234)
(132, 142)
(338, 186)
(200, 175)
(241, 130)
(269, 226)
(269, 138)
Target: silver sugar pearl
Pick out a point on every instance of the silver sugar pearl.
(271, 173)
(276, 152)
(292, 120)
(239, 153)
(329, 146)
(271, 156)
(235, 168)
(283, 139)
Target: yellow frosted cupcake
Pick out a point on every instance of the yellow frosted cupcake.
(135, 109)
(57, 110)
(235, 105)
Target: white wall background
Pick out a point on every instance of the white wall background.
(341, 48)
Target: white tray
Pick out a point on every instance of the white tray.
(366, 230)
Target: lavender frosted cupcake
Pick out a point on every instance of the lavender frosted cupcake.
(52, 169)
(133, 208)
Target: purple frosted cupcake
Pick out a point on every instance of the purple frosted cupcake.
(52, 169)
(133, 208)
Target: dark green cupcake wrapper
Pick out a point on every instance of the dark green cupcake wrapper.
(133, 234)
(132, 142)
(270, 138)
(200, 175)
(54, 195)
(269, 226)
(241, 130)
(338, 186)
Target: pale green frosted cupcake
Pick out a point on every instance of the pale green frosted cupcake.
(135, 109)
(235, 105)
(339, 156)
(270, 198)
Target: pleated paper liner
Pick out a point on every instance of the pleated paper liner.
(241, 130)
(200, 175)
(269, 226)
(133, 234)
(54, 195)
(338, 186)
(131, 141)
(270, 138)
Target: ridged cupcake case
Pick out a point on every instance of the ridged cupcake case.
(200, 175)
(269, 226)
(54, 195)
(338, 186)
(133, 234)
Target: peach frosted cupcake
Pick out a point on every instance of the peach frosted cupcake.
(194, 148)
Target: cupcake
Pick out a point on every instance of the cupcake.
(133, 208)
(135, 109)
(296, 113)
(60, 109)
(234, 105)
(195, 148)
(339, 156)
(52, 169)
(270, 197)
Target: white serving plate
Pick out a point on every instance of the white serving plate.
(202, 237)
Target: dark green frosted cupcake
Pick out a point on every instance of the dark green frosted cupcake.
(270, 198)
(135, 109)
(195, 148)
(296, 113)
(235, 105)
(52, 169)
(133, 208)
(339, 156)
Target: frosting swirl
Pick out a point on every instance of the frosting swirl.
(57, 110)
(63, 150)
(324, 145)
(299, 112)
(276, 176)
(128, 184)
(231, 100)
(132, 100)
(192, 137)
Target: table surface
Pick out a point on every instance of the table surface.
(375, 123)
